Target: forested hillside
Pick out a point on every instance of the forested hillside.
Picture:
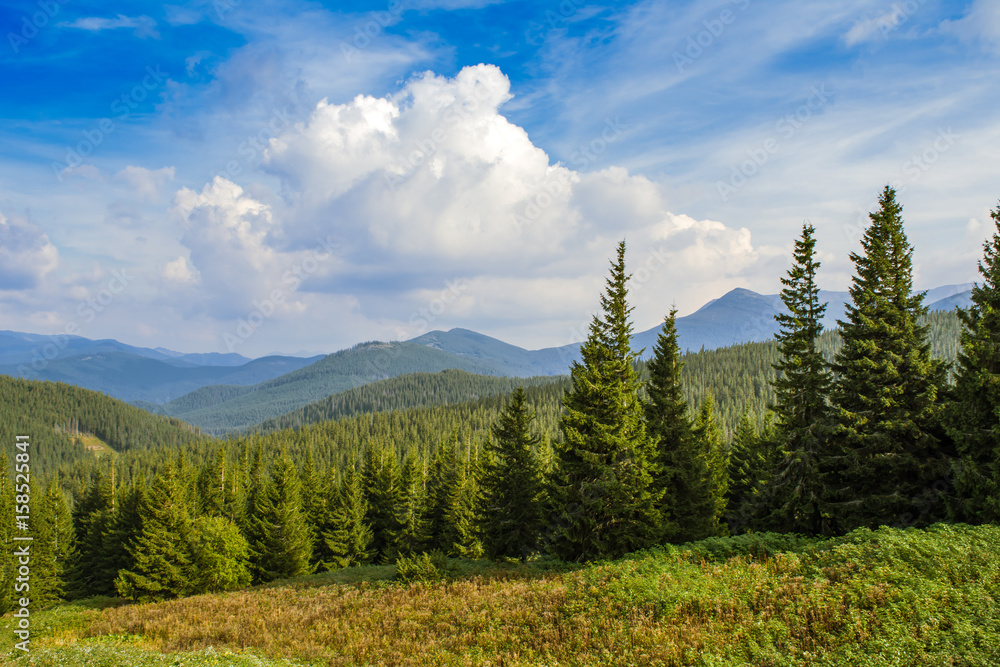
(53, 414)
(221, 409)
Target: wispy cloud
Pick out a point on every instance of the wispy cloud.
(144, 26)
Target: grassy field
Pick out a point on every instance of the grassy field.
(872, 598)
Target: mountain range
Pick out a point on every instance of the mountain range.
(222, 392)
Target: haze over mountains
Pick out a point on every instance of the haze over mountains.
(220, 392)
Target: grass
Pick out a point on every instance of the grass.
(871, 598)
(95, 445)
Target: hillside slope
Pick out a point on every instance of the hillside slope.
(220, 409)
(888, 597)
(51, 414)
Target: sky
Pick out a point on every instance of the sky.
(256, 177)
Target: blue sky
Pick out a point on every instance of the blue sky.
(261, 176)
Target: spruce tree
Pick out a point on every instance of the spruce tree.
(161, 554)
(802, 388)
(974, 415)
(886, 396)
(706, 517)
(92, 520)
(602, 493)
(512, 484)
(460, 532)
(381, 481)
(748, 469)
(8, 566)
(285, 542)
(445, 477)
(349, 540)
(413, 532)
(52, 546)
(667, 421)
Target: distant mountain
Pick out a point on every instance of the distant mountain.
(219, 409)
(24, 348)
(228, 392)
(133, 374)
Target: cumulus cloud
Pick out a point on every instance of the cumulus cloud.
(26, 254)
(180, 272)
(226, 232)
(145, 182)
(434, 183)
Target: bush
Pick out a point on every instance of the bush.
(424, 567)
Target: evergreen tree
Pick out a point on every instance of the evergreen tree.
(412, 533)
(92, 519)
(211, 485)
(460, 532)
(512, 484)
(52, 546)
(285, 546)
(444, 478)
(706, 518)
(349, 541)
(802, 389)
(381, 481)
(161, 554)
(887, 392)
(314, 502)
(748, 468)
(602, 488)
(974, 416)
(8, 569)
(667, 421)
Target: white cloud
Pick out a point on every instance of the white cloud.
(144, 26)
(145, 182)
(26, 254)
(877, 27)
(434, 182)
(226, 232)
(179, 271)
(981, 23)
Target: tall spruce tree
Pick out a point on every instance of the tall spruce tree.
(802, 389)
(602, 492)
(889, 451)
(512, 484)
(381, 479)
(412, 533)
(8, 565)
(92, 520)
(748, 470)
(52, 546)
(679, 474)
(706, 517)
(286, 543)
(161, 554)
(974, 415)
(348, 541)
